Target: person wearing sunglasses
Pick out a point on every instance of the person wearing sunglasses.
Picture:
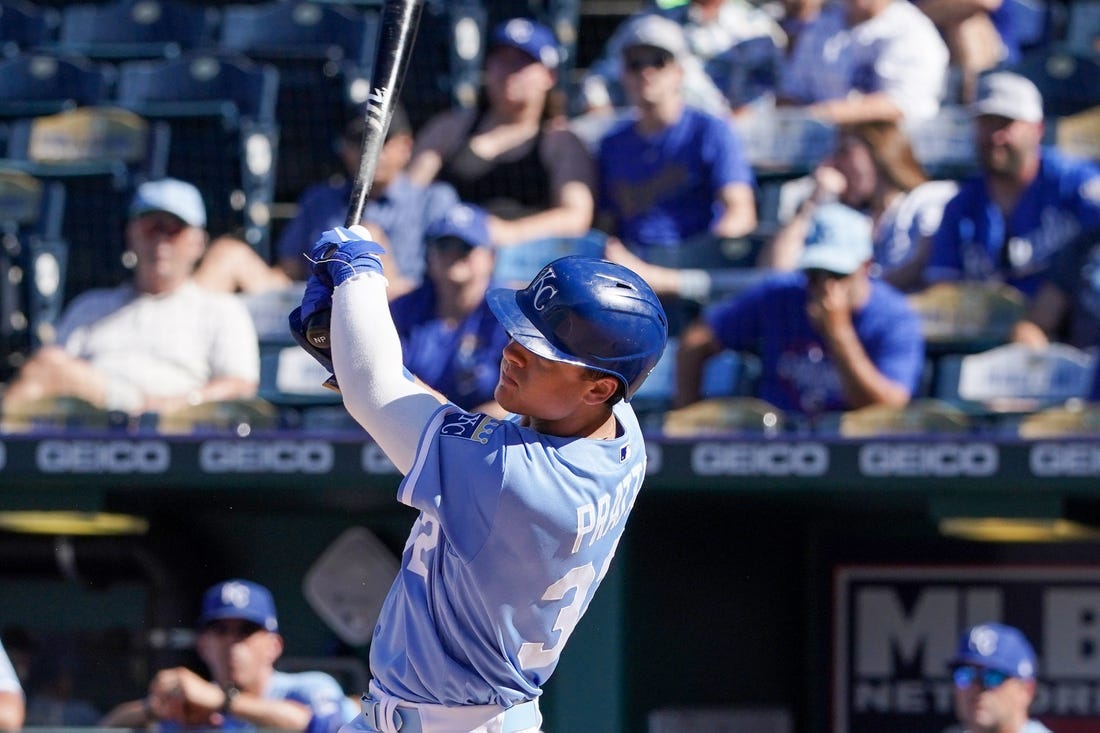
(674, 181)
(994, 681)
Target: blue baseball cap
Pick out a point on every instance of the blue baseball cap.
(534, 39)
(839, 240)
(469, 224)
(240, 599)
(172, 196)
(999, 647)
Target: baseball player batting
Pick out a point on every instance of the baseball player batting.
(519, 518)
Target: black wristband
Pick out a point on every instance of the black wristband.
(231, 693)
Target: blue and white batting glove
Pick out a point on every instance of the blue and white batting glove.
(341, 253)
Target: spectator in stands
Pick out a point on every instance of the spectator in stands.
(872, 169)
(671, 177)
(397, 212)
(449, 338)
(994, 674)
(795, 16)
(867, 60)
(980, 36)
(12, 706)
(159, 343)
(1066, 307)
(829, 337)
(513, 154)
(721, 62)
(239, 641)
(1008, 222)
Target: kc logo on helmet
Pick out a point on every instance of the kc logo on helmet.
(544, 288)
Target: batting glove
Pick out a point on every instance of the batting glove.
(342, 253)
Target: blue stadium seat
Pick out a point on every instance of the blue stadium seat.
(516, 265)
(98, 155)
(1015, 378)
(134, 29)
(445, 67)
(25, 25)
(1083, 27)
(1066, 78)
(221, 112)
(324, 55)
(42, 83)
(30, 244)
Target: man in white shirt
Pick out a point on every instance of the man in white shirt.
(159, 343)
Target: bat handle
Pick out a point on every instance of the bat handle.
(317, 329)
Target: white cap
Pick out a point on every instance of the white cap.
(178, 198)
(1010, 95)
(839, 240)
(653, 30)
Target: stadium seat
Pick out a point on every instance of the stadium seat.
(1066, 78)
(324, 55)
(1015, 378)
(41, 84)
(236, 417)
(1079, 134)
(289, 377)
(518, 264)
(99, 155)
(31, 248)
(1083, 27)
(967, 316)
(134, 29)
(1075, 418)
(25, 25)
(722, 416)
(445, 70)
(221, 113)
(921, 416)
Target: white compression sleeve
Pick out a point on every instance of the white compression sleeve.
(366, 354)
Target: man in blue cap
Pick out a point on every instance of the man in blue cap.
(450, 339)
(994, 673)
(239, 642)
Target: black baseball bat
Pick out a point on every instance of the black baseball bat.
(396, 35)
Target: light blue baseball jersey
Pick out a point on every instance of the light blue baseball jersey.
(516, 530)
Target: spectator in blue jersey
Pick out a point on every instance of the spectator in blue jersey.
(830, 338)
(1008, 222)
(1066, 308)
(450, 340)
(239, 641)
(397, 212)
(672, 179)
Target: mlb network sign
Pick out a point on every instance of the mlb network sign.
(896, 627)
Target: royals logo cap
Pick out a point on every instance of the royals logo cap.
(240, 599)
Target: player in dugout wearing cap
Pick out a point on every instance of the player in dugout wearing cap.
(520, 517)
(239, 641)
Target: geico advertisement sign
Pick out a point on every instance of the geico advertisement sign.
(928, 459)
(278, 456)
(1064, 459)
(896, 628)
(103, 456)
(760, 459)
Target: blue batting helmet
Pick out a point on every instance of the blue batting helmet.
(588, 312)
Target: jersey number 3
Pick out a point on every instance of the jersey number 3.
(534, 655)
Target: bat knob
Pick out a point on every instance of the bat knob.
(317, 329)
